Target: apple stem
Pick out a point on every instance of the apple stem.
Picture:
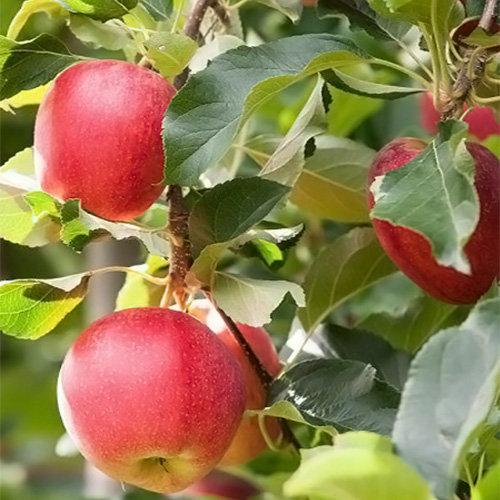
(180, 254)
(264, 376)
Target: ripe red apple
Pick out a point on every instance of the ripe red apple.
(98, 137)
(412, 252)
(248, 441)
(151, 397)
(222, 485)
(482, 121)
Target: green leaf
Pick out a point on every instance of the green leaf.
(285, 409)
(32, 308)
(100, 9)
(228, 210)
(97, 33)
(332, 184)
(286, 163)
(340, 393)
(291, 8)
(30, 7)
(355, 468)
(252, 301)
(24, 217)
(368, 87)
(170, 52)
(27, 65)
(80, 227)
(347, 266)
(348, 111)
(361, 16)
(203, 118)
(159, 9)
(488, 487)
(410, 331)
(440, 180)
(448, 12)
(452, 386)
(139, 292)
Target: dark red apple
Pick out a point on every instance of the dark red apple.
(248, 441)
(222, 485)
(482, 121)
(412, 252)
(151, 397)
(98, 137)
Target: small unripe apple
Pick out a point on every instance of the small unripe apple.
(151, 397)
(100, 9)
(98, 137)
(412, 252)
(248, 441)
(482, 122)
(220, 484)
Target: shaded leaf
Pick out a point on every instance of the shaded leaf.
(97, 33)
(339, 393)
(160, 10)
(332, 183)
(80, 227)
(27, 65)
(228, 210)
(347, 266)
(452, 386)
(252, 301)
(361, 16)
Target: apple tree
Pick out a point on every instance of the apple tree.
(314, 191)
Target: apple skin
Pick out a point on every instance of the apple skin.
(220, 484)
(482, 122)
(412, 252)
(98, 137)
(151, 397)
(248, 441)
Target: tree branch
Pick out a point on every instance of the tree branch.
(488, 15)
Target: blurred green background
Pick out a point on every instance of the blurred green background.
(35, 462)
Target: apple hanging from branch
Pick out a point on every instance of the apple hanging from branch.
(151, 397)
(98, 137)
(412, 252)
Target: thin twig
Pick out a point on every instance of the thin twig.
(488, 14)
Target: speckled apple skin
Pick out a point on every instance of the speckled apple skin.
(248, 441)
(146, 384)
(412, 253)
(482, 121)
(98, 137)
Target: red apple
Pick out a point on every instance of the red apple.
(482, 121)
(151, 397)
(222, 485)
(248, 441)
(98, 137)
(412, 252)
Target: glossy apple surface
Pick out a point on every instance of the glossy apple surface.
(220, 484)
(248, 441)
(482, 121)
(412, 253)
(98, 137)
(151, 397)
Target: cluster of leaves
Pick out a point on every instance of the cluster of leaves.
(432, 426)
